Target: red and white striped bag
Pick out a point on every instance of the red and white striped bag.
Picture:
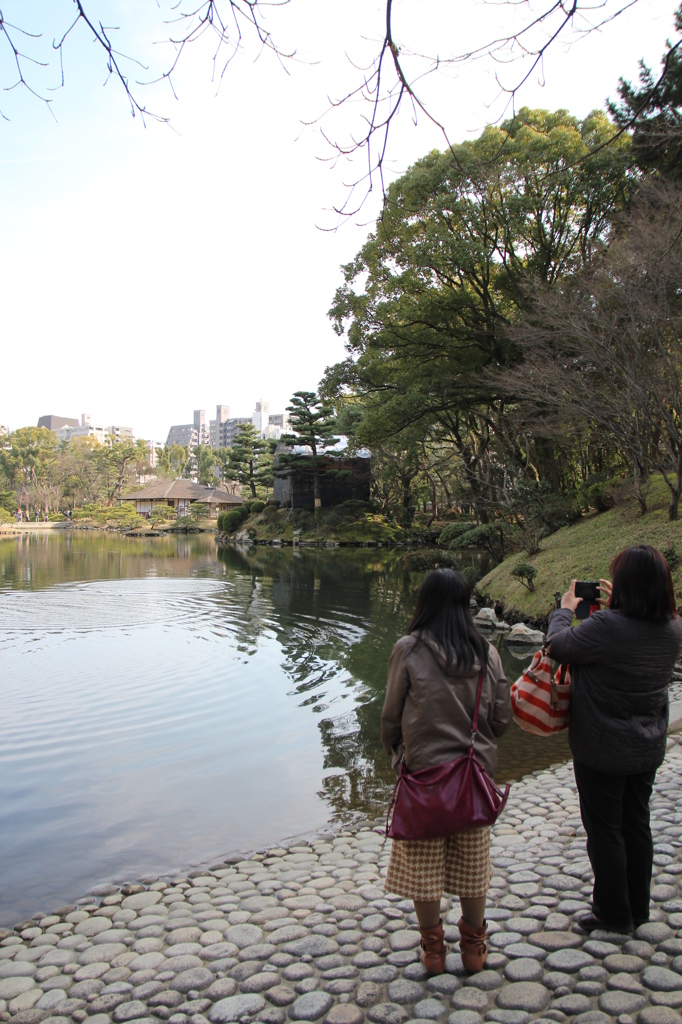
(541, 701)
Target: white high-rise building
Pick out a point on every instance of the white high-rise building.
(260, 417)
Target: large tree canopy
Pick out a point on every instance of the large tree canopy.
(426, 302)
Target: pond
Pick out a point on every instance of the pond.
(166, 702)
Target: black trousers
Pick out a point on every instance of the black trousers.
(615, 813)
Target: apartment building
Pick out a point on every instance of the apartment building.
(190, 434)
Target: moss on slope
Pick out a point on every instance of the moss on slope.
(585, 550)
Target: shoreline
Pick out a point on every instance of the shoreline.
(305, 932)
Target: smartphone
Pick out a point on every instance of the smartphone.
(588, 592)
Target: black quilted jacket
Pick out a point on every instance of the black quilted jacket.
(620, 670)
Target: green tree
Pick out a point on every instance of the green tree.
(654, 111)
(249, 460)
(28, 455)
(313, 422)
(428, 301)
(173, 460)
(206, 465)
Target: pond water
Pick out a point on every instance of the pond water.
(166, 702)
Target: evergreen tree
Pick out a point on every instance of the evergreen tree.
(249, 460)
(313, 422)
(654, 111)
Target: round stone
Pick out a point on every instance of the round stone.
(470, 999)
(615, 1003)
(654, 932)
(311, 1006)
(524, 950)
(486, 981)
(387, 1013)
(147, 962)
(93, 926)
(428, 1009)
(573, 1004)
(523, 995)
(344, 1013)
(180, 935)
(141, 900)
(235, 1007)
(313, 945)
(243, 935)
(660, 979)
(288, 933)
(658, 1015)
(464, 1017)
(617, 962)
(195, 978)
(402, 991)
(403, 939)
(552, 941)
(106, 952)
(523, 970)
(281, 995)
(570, 960)
(10, 988)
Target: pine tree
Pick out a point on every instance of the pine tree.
(313, 423)
(249, 460)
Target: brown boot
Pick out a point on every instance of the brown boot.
(472, 945)
(432, 953)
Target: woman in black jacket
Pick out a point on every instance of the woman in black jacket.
(621, 661)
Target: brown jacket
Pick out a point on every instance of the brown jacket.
(429, 708)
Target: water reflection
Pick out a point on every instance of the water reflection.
(166, 701)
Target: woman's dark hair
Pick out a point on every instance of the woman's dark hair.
(443, 611)
(642, 584)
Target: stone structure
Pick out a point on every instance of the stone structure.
(305, 932)
(342, 477)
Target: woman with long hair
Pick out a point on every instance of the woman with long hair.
(621, 661)
(427, 720)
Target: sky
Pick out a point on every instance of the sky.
(150, 271)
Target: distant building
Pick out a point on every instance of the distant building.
(342, 477)
(85, 429)
(189, 435)
(179, 495)
(260, 417)
(57, 422)
(120, 433)
(154, 448)
(222, 414)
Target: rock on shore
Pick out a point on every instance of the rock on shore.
(306, 933)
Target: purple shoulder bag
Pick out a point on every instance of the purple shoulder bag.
(446, 799)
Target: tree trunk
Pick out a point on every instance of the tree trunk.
(252, 482)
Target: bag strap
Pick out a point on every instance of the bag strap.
(474, 724)
(395, 793)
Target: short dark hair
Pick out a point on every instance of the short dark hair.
(642, 584)
(443, 611)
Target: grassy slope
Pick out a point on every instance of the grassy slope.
(584, 551)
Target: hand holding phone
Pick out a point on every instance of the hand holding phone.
(589, 593)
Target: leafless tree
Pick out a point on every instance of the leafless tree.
(606, 348)
(388, 86)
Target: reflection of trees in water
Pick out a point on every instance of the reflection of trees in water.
(34, 561)
(336, 617)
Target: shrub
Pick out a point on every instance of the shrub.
(472, 575)
(244, 511)
(257, 506)
(353, 507)
(229, 521)
(333, 519)
(672, 555)
(525, 573)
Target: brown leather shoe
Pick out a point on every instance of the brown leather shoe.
(432, 953)
(472, 945)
